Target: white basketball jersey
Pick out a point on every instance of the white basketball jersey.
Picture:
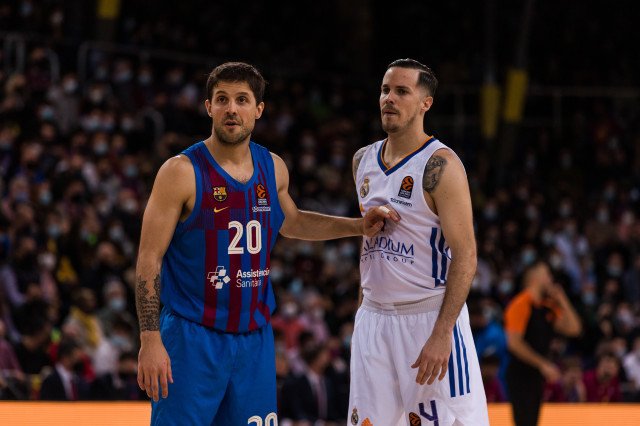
(408, 260)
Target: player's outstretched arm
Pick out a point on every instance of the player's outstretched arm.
(306, 225)
(174, 184)
(446, 183)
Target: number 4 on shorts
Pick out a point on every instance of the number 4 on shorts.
(433, 417)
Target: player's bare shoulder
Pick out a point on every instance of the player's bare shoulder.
(357, 157)
(443, 163)
(178, 176)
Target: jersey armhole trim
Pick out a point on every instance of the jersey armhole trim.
(272, 175)
(196, 206)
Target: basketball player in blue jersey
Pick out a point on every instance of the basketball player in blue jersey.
(212, 218)
(413, 359)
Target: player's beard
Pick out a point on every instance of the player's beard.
(232, 139)
(393, 128)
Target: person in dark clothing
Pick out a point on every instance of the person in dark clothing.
(31, 350)
(311, 396)
(531, 318)
(120, 385)
(65, 382)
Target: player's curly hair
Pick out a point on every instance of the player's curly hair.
(237, 72)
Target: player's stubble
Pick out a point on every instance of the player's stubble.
(227, 138)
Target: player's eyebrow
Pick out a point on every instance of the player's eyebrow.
(386, 86)
(222, 92)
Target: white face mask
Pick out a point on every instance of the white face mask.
(289, 310)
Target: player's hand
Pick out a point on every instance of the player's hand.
(374, 219)
(433, 359)
(550, 372)
(153, 365)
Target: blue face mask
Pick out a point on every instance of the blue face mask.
(53, 231)
(101, 148)
(528, 257)
(117, 305)
(46, 114)
(45, 198)
(131, 171)
(589, 299)
(614, 270)
(505, 287)
(121, 342)
(346, 341)
(116, 233)
(490, 213)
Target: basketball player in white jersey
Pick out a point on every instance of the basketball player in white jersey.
(413, 358)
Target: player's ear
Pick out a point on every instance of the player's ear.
(207, 105)
(259, 109)
(426, 103)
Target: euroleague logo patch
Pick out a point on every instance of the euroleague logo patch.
(262, 195)
(406, 187)
(414, 419)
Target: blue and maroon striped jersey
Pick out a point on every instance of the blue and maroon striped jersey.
(216, 269)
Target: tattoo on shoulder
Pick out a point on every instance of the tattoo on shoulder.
(147, 304)
(433, 173)
(356, 160)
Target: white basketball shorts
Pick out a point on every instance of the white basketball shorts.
(386, 342)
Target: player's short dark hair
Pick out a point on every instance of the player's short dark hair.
(426, 78)
(237, 72)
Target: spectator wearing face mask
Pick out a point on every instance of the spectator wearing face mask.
(115, 305)
(287, 321)
(313, 317)
(120, 339)
(65, 382)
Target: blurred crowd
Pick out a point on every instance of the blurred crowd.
(78, 156)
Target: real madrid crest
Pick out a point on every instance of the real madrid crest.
(354, 415)
(364, 189)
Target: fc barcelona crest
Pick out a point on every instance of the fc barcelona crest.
(220, 193)
(364, 189)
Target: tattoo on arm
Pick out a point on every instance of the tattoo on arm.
(356, 160)
(433, 172)
(148, 305)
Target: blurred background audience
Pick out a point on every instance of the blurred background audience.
(84, 128)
